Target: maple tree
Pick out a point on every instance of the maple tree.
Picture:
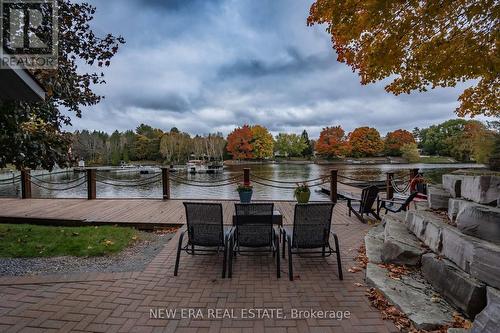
(395, 140)
(262, 142)
(365, 141)
(332, 142)
(420, 44)
(239, 143)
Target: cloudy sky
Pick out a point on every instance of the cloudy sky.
(211, 65)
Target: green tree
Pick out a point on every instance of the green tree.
(309, 150)
(409, 151)
(31, 134)
(290, 145)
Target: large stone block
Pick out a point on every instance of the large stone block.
(374, 241)
(411, 296)
(455, 206)
(488, 321)
(456, 286)
(453, 184)
(485, 264)
(481, 189)
(427, 227)
(437, 197)
(457, 247)
(479, 221)
(400, 246)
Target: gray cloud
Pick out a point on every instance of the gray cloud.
(206, 66)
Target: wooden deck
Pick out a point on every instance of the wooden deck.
(141, 213)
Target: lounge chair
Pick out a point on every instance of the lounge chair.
(364, 205)
(310, 234)
(254, 233)
(206, 233)
(395, 205)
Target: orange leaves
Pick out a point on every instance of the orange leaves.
(365, 141)
(397, 139)
(239, 143)
(332, 142)
(419, 45)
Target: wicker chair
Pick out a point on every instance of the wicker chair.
(206, 233)
(395, 205)
(310, 234)
(364, 205)
(254, 233)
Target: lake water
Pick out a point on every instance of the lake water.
(281, 172)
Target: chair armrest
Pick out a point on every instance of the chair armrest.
(393, 201)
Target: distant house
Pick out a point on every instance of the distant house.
(19, 84)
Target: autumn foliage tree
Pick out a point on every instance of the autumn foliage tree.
(239, 143)
(395, 140)
(365, 142)
(420, 44)
(332, 142)
(262, 142)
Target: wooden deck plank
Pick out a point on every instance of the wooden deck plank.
(128, 211)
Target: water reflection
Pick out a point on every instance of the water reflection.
(283, 172)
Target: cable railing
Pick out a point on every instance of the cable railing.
(401, 184)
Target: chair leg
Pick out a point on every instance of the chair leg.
(230, 253)
(290, 265)
(224, 260)
(278, 268)
(177, 259)
(349, 208)
(339, 260)
(284, 243)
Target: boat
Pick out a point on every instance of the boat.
(201, 166)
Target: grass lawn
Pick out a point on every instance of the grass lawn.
(23, 240)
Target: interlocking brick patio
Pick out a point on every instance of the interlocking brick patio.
(121, 302)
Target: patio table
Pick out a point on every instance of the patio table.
(277, 218)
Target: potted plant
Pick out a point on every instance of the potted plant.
(302, 193)
(245, 191)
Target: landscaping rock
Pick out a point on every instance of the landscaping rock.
(412, 295)
(453, 184)
(457, 287)
(480, 221)
(488, 321)
(485, 264)
(481, 189)
(457, 247)
(427, 226)
(400, 246)
(437, 197)
(454, 207)
(374, 240)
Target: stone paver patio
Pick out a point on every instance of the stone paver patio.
(122, 302)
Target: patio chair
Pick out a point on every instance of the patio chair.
(364, 205)
(254, 233)
(206, 233)
(395, 205)
(310, 234)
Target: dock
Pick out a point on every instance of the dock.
(140, 213)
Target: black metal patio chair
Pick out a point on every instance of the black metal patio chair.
(254, 233)
(364, 205)
(310, 234)
(206, 233)
(395, 205)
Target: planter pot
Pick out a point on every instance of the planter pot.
(303, 197)
(245, 196)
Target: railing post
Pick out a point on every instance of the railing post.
(389, 190)
(333, 185)
(165, 179)
(25, 184)
(246, 176)
(91, 184)
(413, 185)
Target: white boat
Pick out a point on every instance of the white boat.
(201, 166)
